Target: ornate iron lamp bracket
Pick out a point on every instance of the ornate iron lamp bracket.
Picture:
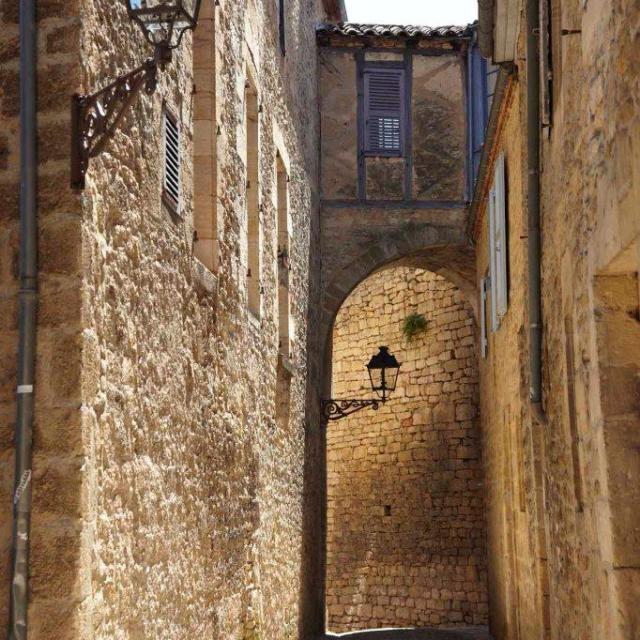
(337, 409)
(96, 117)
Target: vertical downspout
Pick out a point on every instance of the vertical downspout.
(27, 299)
(533, 210)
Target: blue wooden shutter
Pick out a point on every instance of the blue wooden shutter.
(384, 111)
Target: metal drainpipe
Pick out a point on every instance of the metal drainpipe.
(533, 210)
(27, 322)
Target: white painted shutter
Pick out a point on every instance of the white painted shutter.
(501, 239)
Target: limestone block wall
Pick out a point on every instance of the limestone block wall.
(406, 533)
(518, 595)
(562, 530)
(168, 500)
(58, 439)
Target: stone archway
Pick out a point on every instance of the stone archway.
(353, 252)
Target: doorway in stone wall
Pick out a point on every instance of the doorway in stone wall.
(405, 515)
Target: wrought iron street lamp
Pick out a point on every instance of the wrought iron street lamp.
(96, 117)
(383, 371)
(164, 22)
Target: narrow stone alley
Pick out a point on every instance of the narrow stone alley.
(319, 329)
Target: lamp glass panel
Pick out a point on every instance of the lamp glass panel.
(165, 21)
(391, 376)
(376, 379)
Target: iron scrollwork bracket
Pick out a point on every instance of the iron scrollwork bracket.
(96, 117)
(337, 409)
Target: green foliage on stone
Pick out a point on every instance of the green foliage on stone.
(413, 325)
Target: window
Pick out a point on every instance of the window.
(484, 338)
(550, 58)
(205, 221)
(254, 231)
(284, 313)
(282, 26)
(498, 245)
(384, 106)
(171, 178)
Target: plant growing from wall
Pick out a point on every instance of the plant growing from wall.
(413, 325)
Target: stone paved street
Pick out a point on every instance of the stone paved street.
(467, 633)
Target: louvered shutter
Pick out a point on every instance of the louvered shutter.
(384, 111)
(171, 179)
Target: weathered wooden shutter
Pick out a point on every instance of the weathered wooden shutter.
(493, 270)
(484, 338)
(501, 238)
(384, 111)
(545, 52)
(171, 181)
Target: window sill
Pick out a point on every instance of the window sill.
(203, 278)
(286, 365)
(254, 320)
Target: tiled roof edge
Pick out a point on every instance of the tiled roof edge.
(356, 30)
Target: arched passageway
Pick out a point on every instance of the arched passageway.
(405, 520)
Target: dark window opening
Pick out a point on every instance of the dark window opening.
(384, 111)
(281, 26)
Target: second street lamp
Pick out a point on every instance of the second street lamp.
(96, 117)
(383, 371)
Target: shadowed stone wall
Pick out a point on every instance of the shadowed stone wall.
(169, 499)
(405, 508)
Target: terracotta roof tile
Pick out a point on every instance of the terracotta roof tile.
(396, 31)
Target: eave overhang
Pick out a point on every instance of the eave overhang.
(349, 34)
(504, 93)
(499, 22)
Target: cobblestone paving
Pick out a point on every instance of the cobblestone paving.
(466, 633)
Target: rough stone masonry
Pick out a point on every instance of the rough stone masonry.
(406, 536)
(168, 499)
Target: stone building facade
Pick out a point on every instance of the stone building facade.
(562, 482)
(169, 491)
(189, 296)
(405, 505)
